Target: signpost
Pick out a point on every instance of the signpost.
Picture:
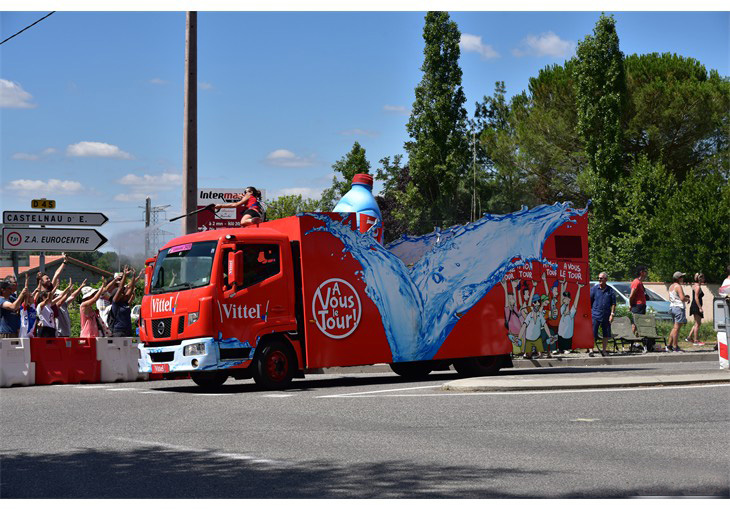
(51, 239)
(85, 219)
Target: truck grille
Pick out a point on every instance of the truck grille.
(181, 324)
(161, 328)
(162, 357)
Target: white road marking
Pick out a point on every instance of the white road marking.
(586, 419)
(277, 395)
(369, 394)
(360, 393)
(213, 453)
(121, 389)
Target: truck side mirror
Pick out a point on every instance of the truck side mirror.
(149, 264)
(235, 268)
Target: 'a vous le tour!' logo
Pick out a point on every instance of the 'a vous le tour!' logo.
(336, 308)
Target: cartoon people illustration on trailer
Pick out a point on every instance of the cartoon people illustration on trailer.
(539, 323)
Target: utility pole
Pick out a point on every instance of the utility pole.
(190, 130)
(147, 207)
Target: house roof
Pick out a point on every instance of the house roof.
(35, 262)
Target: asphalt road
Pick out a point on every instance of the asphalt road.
(366, 436)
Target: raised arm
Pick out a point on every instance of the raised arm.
(76, 293)
(92, 299)
(60, 269)
(544, 282)
(120, 290)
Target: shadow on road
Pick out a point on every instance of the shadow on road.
(161, 473)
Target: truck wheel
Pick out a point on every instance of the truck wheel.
(412, 369)
(209, 380)
(274, 365)
(481, 366)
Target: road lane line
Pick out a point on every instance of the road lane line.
(213, 453)
(379, 391)
(512, 393)
(121, 389)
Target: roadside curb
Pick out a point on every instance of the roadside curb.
(554, 362)
(521, 383)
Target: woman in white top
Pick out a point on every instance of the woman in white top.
(677, 299)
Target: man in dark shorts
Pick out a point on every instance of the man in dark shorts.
(637, 299)
(603, 306)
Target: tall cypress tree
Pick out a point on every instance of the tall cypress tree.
(601, 97)
(438, 152)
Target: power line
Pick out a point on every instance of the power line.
(26, 28)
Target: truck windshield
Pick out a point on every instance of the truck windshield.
(185, 266)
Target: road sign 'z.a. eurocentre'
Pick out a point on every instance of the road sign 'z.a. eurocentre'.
(51, 239)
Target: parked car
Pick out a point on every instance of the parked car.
(654, 302)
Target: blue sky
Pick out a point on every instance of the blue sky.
(91, 103)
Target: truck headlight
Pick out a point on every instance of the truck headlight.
(194, 350)
(193, 318)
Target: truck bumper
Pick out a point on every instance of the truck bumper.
(218, 355)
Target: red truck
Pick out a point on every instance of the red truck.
(310, 291)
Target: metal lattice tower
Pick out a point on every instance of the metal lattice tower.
(155, 236)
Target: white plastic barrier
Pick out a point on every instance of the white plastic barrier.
(112, 352)
(133, 355)
(15, 365)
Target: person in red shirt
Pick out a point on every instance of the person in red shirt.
(251, 200)
(637, 298)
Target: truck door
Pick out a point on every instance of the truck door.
(263, 303)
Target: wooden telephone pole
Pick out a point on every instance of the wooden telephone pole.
(190, 131)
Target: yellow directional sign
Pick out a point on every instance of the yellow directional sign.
(43, 203)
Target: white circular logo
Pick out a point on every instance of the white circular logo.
(336, 308)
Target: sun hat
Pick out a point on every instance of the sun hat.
(87, 292)
(678, 274)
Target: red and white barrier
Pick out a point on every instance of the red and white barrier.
(722, 349)
(16, 368)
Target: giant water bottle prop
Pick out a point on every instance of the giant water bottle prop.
(360, 200)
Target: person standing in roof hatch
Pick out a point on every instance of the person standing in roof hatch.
(254, 208)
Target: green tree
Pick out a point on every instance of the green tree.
(438, 149)
(600, 97)
(677, 112)
(289, 205)
(395, 178)
(354, 162)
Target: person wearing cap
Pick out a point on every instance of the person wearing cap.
(534, 326)
(91, 325)
(104, 301)
(252, 201)
(677, 300)
(9, 316)
(603, 307)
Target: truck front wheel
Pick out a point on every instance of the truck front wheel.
(274, 365)
(209, 380)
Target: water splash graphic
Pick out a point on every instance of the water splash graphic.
(452, 270)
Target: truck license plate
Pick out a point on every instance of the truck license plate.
(160, 368)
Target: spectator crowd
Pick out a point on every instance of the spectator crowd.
(44, 311)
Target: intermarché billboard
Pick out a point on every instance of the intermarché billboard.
(224, 218)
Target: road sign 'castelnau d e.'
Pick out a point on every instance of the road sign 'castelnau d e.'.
(84, 219)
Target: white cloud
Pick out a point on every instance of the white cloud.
(33, 157)
(315, 193)
(133, 197)
(359, 132)
(25, 186)
(25, 156)
(147, 183)
(202, 85)
(474, 44)
(545, 44)
(158, 81)
(96, 150)
(12, 95)
(286, 158)
(397, 109)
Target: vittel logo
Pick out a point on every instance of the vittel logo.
(336, 308)
(162, 305)
(242, 311)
